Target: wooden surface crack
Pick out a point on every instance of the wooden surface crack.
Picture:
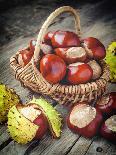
(4, 144)
(33, 145)
(68, 151)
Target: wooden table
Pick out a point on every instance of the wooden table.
(23, 23)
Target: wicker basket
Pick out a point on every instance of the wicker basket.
(30, 76)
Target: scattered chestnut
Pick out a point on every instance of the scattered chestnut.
(84, 120)
(24, 57)
(108, 129)
(79, 73)
(96, 69)
(107, 103)
(35, 115)
(72, 54)
(64, 39)
(95, 49)
(53, 68)
(48, 37)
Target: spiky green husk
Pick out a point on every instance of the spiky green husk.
(54, 119)
(20, 128)
(111, 60)
(8, 98)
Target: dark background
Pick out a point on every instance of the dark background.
(18, 16)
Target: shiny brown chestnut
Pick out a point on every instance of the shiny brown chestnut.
(107, 103)
(24, 57)
(72, 54)
(108, 129)
(64, 39)
(84, 120)
(48, 37)
(53, 68)
(79, 73)
(95, 49)
(35, 115)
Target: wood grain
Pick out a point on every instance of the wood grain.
(99, 146)
(81, 146)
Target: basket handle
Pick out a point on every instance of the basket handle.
(49, 20)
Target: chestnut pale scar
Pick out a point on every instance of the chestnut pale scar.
(82, 115)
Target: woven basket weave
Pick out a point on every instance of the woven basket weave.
(30, 76)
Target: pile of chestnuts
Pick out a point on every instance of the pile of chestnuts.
(67, 58)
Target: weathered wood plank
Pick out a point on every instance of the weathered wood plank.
(81, 146)
(111, 150)
(99, 147)
(14, 149)
(2, 129)
(4, 137)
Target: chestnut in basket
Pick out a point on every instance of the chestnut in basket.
(46, 49)
(97, 70)
(24, 57)
(48, 37)
(32, 45)
(84, 120)
(72, 54)
(79, 73)
(53, 68)
(108, 129)
(95, 49)
(107, 103)
(63, 39)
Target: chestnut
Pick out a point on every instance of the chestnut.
(95, 49)
(79, 73)
(97, 71)
(108, 129)
(48, 37)
(53, 68)
(71, 54)
(35, 115)
(64, 39)
(84, 120)
(107, 104)
(32, 45)
(24, 57)
(46, 49)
